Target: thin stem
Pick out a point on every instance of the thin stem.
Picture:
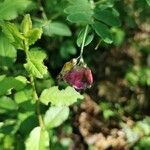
(42, 10)
(83, 42)
(98, 44)
(35, 96)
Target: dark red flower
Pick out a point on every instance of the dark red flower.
(79, 77)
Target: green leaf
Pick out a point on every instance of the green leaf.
(7, 104)
(8, 83)
(35, 65)
(25, 99)
(67, 49)
(58, 97)
(132, 78)
(38, 139)
(10, 9)
(79, 11)
(55, 116)
(77, 6)
(23, 95)
(108, 113)
(148, 2)
(12, 33)
(118, 36)
(88, 39)
(33, 35)
(107, 16)
(7, 52)
(143, 143)
(26, 24)
(103, 31)
(56, 28)
(80, 18)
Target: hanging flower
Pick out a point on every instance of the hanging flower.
(79, 76)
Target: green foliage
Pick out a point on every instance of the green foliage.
(7, 52)
(67, 49)
(33, 48)
(7, 104)
(148, 2)
(133, 135)
(12, 33)
(56, 28)
(143, 144)
(108, 16)
(8, 83)
(79, 11)
(26, 24)
(88, 40)
(33, 35)
(103, 31)
(139, 76)
(85, 12)
(55, 116)
(10, 10)
(38, 139)
(60, 97)
(34, 64)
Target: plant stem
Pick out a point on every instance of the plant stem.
(35, 96)
(42, 10)
(98, 44)
(83, 42)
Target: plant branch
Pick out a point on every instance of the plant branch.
(83, 41)
(42, 10)
(35, 96)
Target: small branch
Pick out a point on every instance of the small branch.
(98, 44)
(42, 10)
(35, 96)
(83, 42)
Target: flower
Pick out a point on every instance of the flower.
(80, 77)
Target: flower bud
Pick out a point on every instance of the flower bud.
(80, 77)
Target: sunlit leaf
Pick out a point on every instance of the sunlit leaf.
(26, 24)
(58, 97)
(10, 9)
(7, 52)
(55, 116)
(12, 33)
(7, 104)
(38, 139)
(35, 65)
(8, 83)
(33, 35)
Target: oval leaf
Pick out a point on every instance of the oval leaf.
(103, 31)
(58, 97)
(38, 139)
(56, 28)
(107, 16)
(55, 116)
(88, 39)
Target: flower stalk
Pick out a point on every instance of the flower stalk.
(83, 43)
